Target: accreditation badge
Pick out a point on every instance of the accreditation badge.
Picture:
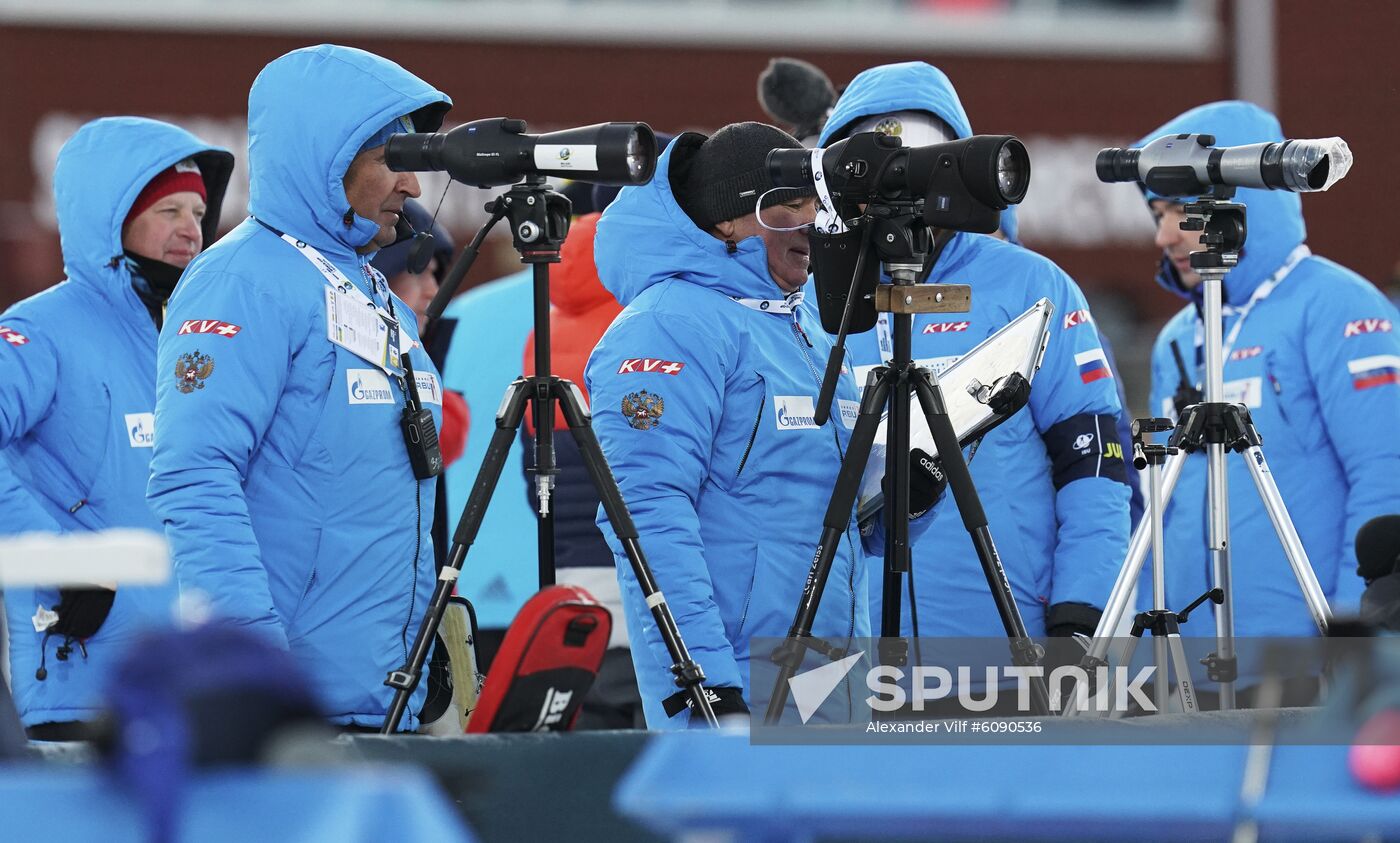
(363, 330)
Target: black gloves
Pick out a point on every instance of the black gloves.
(1380, 602)
(1062, 621)
(81, 611)
(1065, 619)
(927, 483)
(723, 701)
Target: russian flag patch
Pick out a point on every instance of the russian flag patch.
(1367, 372)
(1093, 365)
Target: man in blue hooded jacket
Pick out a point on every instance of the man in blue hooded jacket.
(136, 200)
(1310, 350)
(1052, 477)
(284, 369)
(703, 392)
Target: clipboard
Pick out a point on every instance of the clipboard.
(1018, 347)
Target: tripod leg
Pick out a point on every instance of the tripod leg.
(1162, 655)
(1218, 518)
(1292, 545)
(898, 562)
(1105, 691)
(1159, 578)
(544, 471)
(1184, 685)
(838, 517)
(543, 403)
(405, 679)
(689, 675)
(1025, 652)
(1217, 487)
(1118, 600)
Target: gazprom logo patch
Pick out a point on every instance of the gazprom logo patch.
(794, 412)
(141, 429)
(368, 386)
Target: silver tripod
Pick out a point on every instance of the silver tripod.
(1164, 624)
(1215, 427)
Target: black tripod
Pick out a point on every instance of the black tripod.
(539, 223)
(903, 243)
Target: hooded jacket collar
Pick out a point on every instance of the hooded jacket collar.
(910, 86)
(1275, 217)
(99, 173)
(309, 112)
(644, 238)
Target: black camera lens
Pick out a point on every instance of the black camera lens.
(1116, 164)
(790, 167)
(498, 151)
(1013, 168)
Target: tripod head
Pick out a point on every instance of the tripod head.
(539, 219)
(1223, 228)
(1146, 452)
(539, 222)
(900, 238)
(895, 233)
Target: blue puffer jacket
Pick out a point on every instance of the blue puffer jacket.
(703, 406)
(1317, 363)
(493, 321)
(76, 398)
(284, 485)
(1052, 477)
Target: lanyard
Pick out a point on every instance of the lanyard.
(354, 321)
(828, 221)
(784, 305)
(334, 277)
(883, 336)
(1263, 292)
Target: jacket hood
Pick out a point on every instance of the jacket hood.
(575, 287)
(910, 86)
(98, 175)
(645, 238)
(1275, 217)
(309, 112)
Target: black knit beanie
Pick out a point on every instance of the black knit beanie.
(728, 172)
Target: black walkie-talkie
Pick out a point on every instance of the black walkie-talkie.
(420, 434)
(1186, 392)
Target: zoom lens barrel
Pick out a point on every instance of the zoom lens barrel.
(498, 151)
(1117, 164)
(790, 167)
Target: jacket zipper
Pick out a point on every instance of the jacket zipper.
(1273, 384)
(744, 615)
(753, 437)
(306, 591)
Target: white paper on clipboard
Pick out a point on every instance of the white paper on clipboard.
(1019, 347)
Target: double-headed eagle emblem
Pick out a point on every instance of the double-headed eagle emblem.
(191, 370)
(642, 409)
